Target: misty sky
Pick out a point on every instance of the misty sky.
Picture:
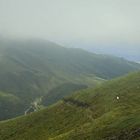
(73, 22)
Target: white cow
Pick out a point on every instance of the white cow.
(118, 97)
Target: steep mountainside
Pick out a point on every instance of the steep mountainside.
(88, 114)
(32, 69)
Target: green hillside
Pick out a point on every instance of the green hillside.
(91, 114)
(32, 69)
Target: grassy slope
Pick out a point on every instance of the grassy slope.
(105, 117)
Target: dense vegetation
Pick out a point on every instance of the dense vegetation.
(86, 115)
(33, 69)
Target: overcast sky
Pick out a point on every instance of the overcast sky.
(73, 21)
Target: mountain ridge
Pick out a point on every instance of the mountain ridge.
(31, 69)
